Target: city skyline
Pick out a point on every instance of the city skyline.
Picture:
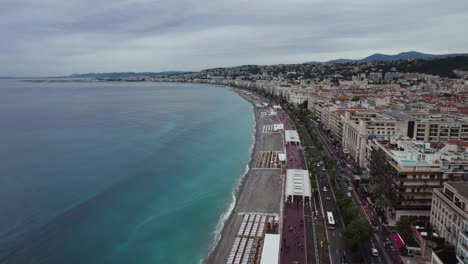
(53, 38)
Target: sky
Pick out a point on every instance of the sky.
(57, 38)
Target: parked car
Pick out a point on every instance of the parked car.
(328, 198)
(375, 253)
(324, 189)
(348, 194)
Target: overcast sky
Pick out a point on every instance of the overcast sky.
(58, 37)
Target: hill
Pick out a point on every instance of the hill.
(401, 56)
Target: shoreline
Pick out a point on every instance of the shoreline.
(258, 191)
(228, 215)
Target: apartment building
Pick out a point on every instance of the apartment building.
(410, 170)
(441, 128)
(449, 210)
(359, 126)
(462, 244)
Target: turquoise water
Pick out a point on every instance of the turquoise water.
(117, 172)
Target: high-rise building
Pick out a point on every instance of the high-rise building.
(409, 170)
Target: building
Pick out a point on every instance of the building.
(449, 210)
(410, 170)
(462, 245)
(440, 128)
(297, 97)
(358, 126)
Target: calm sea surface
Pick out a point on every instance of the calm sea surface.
(117, 172)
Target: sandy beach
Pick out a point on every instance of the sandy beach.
(259, 191)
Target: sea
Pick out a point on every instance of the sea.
(117, 172)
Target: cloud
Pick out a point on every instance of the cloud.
(52, 37)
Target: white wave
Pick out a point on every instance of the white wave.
(225, 216)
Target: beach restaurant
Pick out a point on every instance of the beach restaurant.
(297, 186)
(292, 137)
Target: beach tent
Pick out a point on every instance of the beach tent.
(298, 185)
(292, 137)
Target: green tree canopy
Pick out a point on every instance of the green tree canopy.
(404, 228)
(356, 232)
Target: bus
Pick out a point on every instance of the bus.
(330, 220)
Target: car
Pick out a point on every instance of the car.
(323, 169)
(328, 198)
(350, 188)
(343, 260)
(324, 189)
(375, 253)
(348, 194)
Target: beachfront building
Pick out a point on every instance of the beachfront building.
(297, 97)
(449, 210)
(292, 137)
(359, 126)
(297, 186)
(409, 171)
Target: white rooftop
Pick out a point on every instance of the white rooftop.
(291, 136)
(297, 183)
(277, 127)
(270, 252)
(282, 157)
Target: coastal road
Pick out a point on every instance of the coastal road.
(344, 186)
(336, 244)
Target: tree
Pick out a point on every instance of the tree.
(404, 228)
(356, 232)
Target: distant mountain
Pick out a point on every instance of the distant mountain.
(123, 74)
(400, 56)
(339, 61)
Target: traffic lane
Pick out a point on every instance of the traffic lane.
(369, 258)
(337, 246)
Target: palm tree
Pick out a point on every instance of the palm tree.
(404, 228)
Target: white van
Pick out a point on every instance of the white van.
(375, 253)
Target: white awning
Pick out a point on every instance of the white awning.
(297, 183)
(291, 136)
(282, 157)
(270, 252)
(277, 127)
